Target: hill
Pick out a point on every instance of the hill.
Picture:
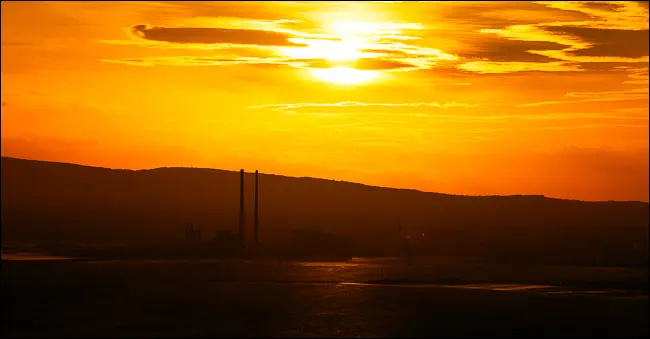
(47, 201)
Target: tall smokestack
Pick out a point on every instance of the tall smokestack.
(241, 208)
(255, 216)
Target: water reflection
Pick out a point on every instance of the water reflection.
(23, 256)
(505, 287)
(548, 289)
(328, 264)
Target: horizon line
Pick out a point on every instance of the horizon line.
(334, 180)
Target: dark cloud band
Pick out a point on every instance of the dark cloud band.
(607, 42)
(196, 35)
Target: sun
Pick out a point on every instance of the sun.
(352, 42)
(344, 75)
(325, 49)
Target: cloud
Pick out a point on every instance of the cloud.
(483, 14)
(286, 47)
(284, 107)
(199, 35)
(361, 64)
(367, 64)
(380, 64)
(639, 93)
(243, 9)
(624, 95)
(607, 42)
(613, 95)
(171, 45)
(643, 4)
(639, 77)
(629, 15)
(386, 52)
(632, 67)
(487, 67)
(401, 49)
(208, 61)
(613, 32)
(471, 115)
(603, 6)
(503, 50)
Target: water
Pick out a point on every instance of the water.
(29, 256)
(216, 298)
(395, 272)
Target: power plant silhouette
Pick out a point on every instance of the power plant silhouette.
(301, 243)
(242, 238)
(242, 215)
(226, 241)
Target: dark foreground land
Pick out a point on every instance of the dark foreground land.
(226, 299)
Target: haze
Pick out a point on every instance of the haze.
(455, 97)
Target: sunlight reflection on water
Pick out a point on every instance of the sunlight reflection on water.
(549, 289)
(328, 264)
(382, 272)
(22, 256)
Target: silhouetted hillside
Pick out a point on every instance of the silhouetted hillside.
(46, 201)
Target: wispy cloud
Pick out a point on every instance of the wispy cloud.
(510, 67)
(629, 15)
(638, 93)
(201, 35)
(466, 112)
(603, 38)
(377, 46)
(638, 77)
(207, 61)
(284, 107)
(633, 94)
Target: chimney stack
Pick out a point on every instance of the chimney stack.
(241, 209)
(256, 225)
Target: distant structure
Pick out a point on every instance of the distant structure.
(192, 235)
(242, 239)
(256, 226)
(223, 239)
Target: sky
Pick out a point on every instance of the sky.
(472, 98)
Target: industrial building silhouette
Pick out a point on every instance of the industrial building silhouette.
(303, 243)
(225, 242)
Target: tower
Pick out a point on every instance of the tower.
(241, 208)
(256, 226)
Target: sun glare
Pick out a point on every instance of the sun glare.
(352, 39)
(325, 49)
(343, 75)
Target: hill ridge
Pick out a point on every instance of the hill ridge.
(309, 178)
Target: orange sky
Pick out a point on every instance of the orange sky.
(456, 97)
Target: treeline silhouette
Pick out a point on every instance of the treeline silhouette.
(58, 202)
